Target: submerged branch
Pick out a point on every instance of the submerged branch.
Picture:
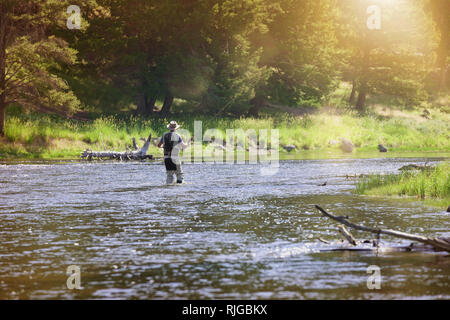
(440, 244)
(347, 235)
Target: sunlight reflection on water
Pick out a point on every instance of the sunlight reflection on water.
(227, 233)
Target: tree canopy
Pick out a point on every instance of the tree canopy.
(227, 57)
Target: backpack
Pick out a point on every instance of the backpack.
(168, 143)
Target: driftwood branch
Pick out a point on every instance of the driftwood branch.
(324, 241)
(347, 235)
(135, 146)
(440, 244)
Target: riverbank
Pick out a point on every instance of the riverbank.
(429, 184)
(36, 136)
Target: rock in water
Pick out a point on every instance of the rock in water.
(382, 148)
(448, 209)
(346, 146)
(290, 147)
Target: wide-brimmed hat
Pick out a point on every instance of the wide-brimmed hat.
(173, 125)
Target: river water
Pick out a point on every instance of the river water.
(227, 233)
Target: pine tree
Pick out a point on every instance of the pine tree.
(30, 57)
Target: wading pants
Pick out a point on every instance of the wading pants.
(173, 169)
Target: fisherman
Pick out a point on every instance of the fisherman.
(172, 143)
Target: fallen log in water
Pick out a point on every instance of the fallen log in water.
(438, 244)
(140, 154)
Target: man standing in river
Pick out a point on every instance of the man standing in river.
(172, 142)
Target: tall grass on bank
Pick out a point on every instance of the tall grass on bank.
(44, 136)
(432, 184)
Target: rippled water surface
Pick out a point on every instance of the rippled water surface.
(227, 233)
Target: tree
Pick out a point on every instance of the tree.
(144, 49)
(199, 51)
(393, 60)
(300, 49)
(30, 56)
(227, 49)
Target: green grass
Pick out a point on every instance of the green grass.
(432, 186)
(44, 136)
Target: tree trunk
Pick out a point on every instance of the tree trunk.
(443, 79)
(257, 103)
(351, 100)
(2, 115)
(141, 104)
(168, 100)
(145, 105)
(151, 105)
(2, 69)
(203, 106)
(361, 102)
(363, 86)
